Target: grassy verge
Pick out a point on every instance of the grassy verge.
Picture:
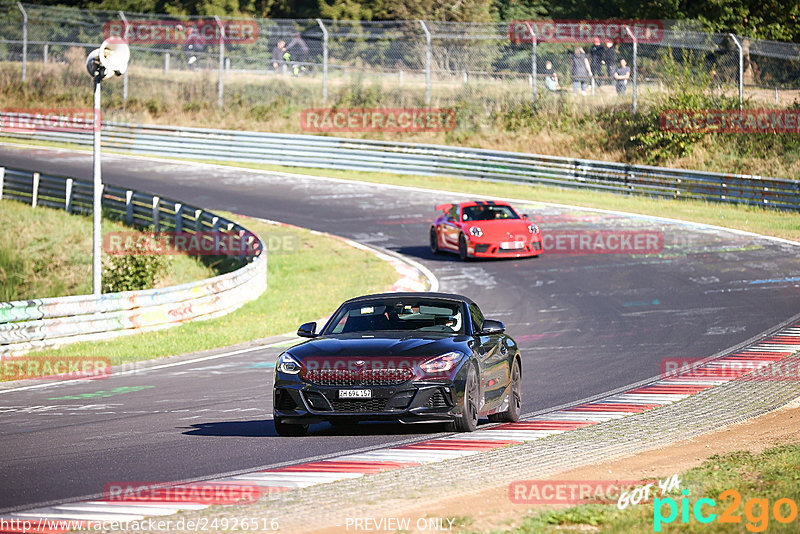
(46, 252)
(309, 274)
(767, 477)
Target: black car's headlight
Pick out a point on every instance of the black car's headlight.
(532, 228)
(287, 364)
(475, 231)
(441, 365)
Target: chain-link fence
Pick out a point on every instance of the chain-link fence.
(193, 63)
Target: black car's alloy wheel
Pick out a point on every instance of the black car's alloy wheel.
(289, 430)
(468, 421)
(462, 248)
(434, 241)
(515, 398)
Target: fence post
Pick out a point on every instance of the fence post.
(35, 192)
(635, 66)
(125, 75)
(741, 70)
(129, 207)
(427, 63)
(166, 63)
(534, 44)
(156, 214)
(221, 60)
(324, 61)
(44, 53)
(24, 42)
(68, 196)
(2, 179)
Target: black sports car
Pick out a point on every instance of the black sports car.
(408, 357)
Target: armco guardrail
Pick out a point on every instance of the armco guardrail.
(37, 323)
(410, 158)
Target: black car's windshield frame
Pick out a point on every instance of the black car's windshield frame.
(399, 315)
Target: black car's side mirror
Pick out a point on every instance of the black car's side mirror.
(490, 326)
(307, 330)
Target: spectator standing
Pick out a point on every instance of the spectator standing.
(622, 75)
(580, 70)
(610, 57)
(597, 54)
(280, 55)
(550, 77)
(298, 49)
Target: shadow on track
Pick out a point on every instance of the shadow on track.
(265, 428)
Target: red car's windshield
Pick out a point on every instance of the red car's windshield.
(488, 213)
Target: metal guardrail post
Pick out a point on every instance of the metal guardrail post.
(125, 75)
(178, 217)
(156, 213)
(635, 67)
(427, 63)
(221, 60)
(324, 61)
(24, 42)
(68, 196)
(129, 207)
(198, 220)
(35, 190)
(740, 80)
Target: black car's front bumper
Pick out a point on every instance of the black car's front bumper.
(297, 401)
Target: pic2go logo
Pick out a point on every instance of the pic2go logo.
(756, 511)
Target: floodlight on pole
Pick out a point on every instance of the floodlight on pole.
(111, 59)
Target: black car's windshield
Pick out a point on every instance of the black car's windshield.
(488, 212)
(422, 315)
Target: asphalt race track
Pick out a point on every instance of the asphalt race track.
(586, 323)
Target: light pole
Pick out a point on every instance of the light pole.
(111, 59)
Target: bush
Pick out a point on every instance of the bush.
(132, 271)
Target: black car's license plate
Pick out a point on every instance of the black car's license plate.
(355, 393)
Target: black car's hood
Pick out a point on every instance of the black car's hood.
(381, 344)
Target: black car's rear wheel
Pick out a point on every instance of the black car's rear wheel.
(288, 429)
(468, 421)
(434, 241)
(515, 398)
(462, 248)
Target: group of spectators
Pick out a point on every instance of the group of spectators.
(601, 64)
(290, 56)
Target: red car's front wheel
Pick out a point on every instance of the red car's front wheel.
(462, 248)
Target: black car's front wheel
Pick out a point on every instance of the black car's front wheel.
(288, 429)
(511, 415)
(468, 420)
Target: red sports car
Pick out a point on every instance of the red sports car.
(484, 229)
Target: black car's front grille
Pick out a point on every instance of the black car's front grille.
(358, 405)
(365, 377)
(437, 400)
